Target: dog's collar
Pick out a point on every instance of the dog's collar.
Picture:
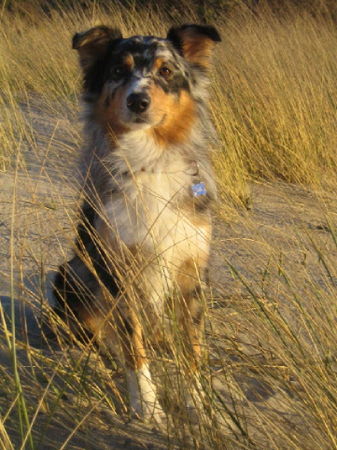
(192, 170)
(198, 188)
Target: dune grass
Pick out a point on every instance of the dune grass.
(274, 87)
(273, 104)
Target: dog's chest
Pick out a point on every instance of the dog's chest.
(153, 212)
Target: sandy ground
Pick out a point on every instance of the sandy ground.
(37, 207)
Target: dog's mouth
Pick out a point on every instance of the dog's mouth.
(145, 119)
(141, 119)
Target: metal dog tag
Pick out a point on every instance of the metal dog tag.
(199, 189)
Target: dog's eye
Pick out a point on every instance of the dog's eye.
(118, 71)
(165, 72)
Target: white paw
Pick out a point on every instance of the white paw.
(144, 404)
(153, 412)
(149, 414)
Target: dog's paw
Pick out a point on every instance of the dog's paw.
(149, 413)
(153, 413)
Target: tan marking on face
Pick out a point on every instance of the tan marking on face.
(176, 116)
(158, 62)
(128, 61)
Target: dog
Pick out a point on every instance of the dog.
(147, 184)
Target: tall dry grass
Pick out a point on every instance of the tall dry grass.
(274, 88)
(273, 104)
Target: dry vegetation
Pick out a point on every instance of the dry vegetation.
(270, 380)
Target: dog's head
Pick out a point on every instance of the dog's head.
(145, 82)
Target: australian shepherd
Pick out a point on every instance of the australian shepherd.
(144, 232)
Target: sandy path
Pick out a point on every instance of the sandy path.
(283, 222)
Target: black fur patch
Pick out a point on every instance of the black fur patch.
(143, 51)
(175, 34)
(95, 35)
(96, 75)
(94, 78)
(74, 292)
(85, 226)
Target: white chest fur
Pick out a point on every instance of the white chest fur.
(144, 214)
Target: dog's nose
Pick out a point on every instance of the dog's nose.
(138, 103)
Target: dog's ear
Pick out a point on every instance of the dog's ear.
(93, 44)
(194, 42)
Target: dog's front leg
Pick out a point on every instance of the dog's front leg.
(144, 403)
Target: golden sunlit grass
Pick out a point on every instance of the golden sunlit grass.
(275, 100)
(271, 375)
